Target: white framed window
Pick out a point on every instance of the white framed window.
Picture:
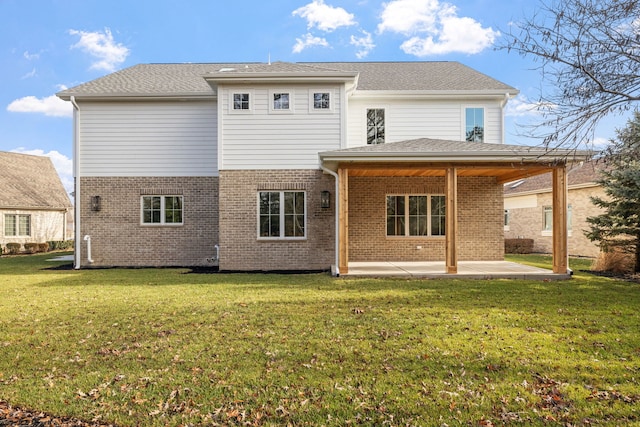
(282, 215)
(281, 101)
(375, 126)
(474, 124)
(507, 218)
(240, 101)
(547, 220)
(320, 100)
(415, 215)
(17, 225)
(161, 210)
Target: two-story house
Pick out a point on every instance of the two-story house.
(296, 166)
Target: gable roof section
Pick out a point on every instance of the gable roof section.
(30, 182)
(188, 80)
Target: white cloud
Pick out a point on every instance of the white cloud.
(30, 74)
(62, 164)
(50, 106)
(101, 46)
(521, 106)
(31, 56)
(364, 43)
(434, 28)
(309, 40)
(324, 17)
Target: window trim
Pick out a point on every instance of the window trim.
(162, 222)
(17, 217)
(484, 121)
(429, 234)
(312, 108)
(281, 217)
(239, 91)
(272, 93)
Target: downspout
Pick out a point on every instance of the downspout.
(337, 225)
(76, 183)
(87, 239)
(502, 105)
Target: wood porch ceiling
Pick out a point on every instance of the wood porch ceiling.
(504, 172)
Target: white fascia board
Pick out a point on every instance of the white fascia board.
(140, 97)
(435, 94)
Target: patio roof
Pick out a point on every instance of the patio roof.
(431, 157)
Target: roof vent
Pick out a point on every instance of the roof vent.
(226, 69)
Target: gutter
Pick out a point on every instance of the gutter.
(337, 215)
(76, 182)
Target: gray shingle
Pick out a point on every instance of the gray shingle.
(30, 182)
(187, 79)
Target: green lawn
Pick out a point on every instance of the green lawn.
(168, 347)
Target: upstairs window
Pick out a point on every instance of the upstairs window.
(321, 101)
(241, 101)
(375, 126)
(162, 210)
(415, 215)
(281, 101)
(17, 225)
(474, 124)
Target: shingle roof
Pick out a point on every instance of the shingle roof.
(439, 148)
(426, 76)
(30, 182)
(578, 174)
(187, 79)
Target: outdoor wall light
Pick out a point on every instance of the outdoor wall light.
(95, 203)
(325, 199)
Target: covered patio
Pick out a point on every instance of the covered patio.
(466, 270)
(447, 162)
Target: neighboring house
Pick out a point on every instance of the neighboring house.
(34, 206)
(295, 166)
(528, 209)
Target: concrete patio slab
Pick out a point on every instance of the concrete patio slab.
(466, 270)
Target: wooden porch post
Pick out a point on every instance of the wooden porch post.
(343, 232)
(559, 211)
(451, 228)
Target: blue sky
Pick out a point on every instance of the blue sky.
(49, 45)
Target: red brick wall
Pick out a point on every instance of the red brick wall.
(119, 239)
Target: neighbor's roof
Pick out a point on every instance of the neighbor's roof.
(581, 174)
(187, 80)
(30, 182)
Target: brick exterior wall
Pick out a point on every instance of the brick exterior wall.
(240, 248)
(528, 222)
(119, 239)
(480, 220)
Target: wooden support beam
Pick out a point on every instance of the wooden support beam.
(559, 209)
(343, 220)
(451, 230)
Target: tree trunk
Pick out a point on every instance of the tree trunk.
(637, 267)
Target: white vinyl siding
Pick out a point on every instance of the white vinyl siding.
(264, 140)
(148, 138)
(416, 118)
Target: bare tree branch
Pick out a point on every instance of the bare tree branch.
(588, 53)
